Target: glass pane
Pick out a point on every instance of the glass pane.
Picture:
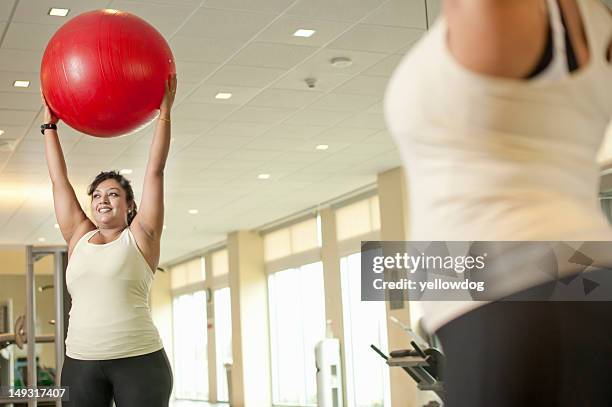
(190, 347)
(220, 263)
(223, 339)
(297, 323)
(364, 324)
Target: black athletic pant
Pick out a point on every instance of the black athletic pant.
(138, 381)
(536, 354)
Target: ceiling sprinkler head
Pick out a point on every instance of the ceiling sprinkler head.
(310, 82)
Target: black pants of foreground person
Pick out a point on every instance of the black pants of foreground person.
(536, 354)
(139, 381)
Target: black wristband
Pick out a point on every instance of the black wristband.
(47, 126)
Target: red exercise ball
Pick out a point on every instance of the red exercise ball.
(103, 72)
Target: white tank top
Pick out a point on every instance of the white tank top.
(491, 158)
(110, 316)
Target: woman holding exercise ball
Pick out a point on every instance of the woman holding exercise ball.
(113, 349)
(498, 112)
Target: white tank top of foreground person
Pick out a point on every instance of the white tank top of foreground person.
(495, 159)
(110, 316)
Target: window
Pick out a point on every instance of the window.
(297, 324)
(297, 238)
(364, 324)
(190, 347)
(223, 339)
(189, 272)
(358, 218)
(220, 263)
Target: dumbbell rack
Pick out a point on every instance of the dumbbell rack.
(415, 367)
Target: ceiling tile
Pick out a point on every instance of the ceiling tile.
(336, 102)
(316, 118)
(16, 117)
(253, 155)
(20, 61)
(8, 78)
(271, 143)
(296, 79)
(20, 101)
(334, 9)
(194, 72)
(434, 8)
(365, 121)
(206, 94)
(234, 25)
(239, 129)
(281, 31)
(229, 142)
(202, 111)
(164, 17)
(266, 6)
(364, 85)
(401, 13)
(344, 134)
(283, 98)
(322, 61)
(24, 36)
(37, 12)
(300, 132)
(15, 132)
(386, 67)
(249, 76)
(377, 38)
(6, 7)
(266, 54)
(260, 114)
(203, 49)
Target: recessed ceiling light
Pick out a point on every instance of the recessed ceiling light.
(322, 147)
(223, 95)
(56, 226)
(1, 132)
(193, 211)
(164, 227)
(59, 12)
(21, 84)
(304, 33)
(126, 171)
(263, 176)
(341, 62)
(41, 239)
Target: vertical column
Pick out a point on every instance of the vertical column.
(251, 376)
(31, 322)
(333, 285)
(210, 315)
(394, 226)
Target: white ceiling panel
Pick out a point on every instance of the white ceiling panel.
(400, 13)
(6, 7)
(260, 114)
(301, 157)
(16, 117)
(270, 55)
(239, 129)
(434, 8)
(249, 76)
(335, 9)
(193, 72)
(270, 143)
(288, 131)
(386, 67)
(229, 142)
(13, 132)
(316, 118)
(377, 38)
(234, 25)
(164, 17)
(365, 121)
(336, 102)
(192, 154)
(263, 6)
(33, 37)
(203, 49)
(8, 78)
(345, 134)
(283, 98)
(282, 31)
(322, 61)
(202, 111)
(20, 61)
(37, 11)
(20, 101)
(206, 94)
(324, 81)
(364, 85)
